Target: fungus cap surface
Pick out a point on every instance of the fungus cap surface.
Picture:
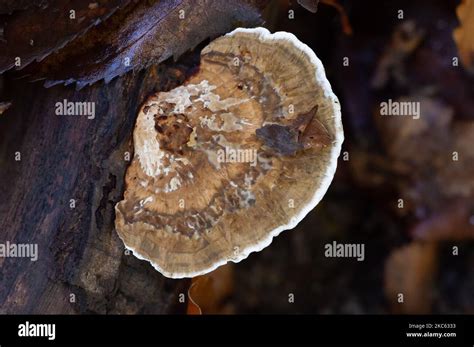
(240, 152)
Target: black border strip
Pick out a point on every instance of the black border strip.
(292, 329)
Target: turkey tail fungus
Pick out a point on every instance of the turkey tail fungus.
(240, 152)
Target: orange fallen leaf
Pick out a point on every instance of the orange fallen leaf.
(410, 271)
(463, 35)
(208, 293)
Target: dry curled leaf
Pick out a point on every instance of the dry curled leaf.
(401, 135)
(37, 32)
(410, 271)
(304, 132)
(463, 35)
(147, 34)
(439, 169)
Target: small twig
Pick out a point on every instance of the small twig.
(346, 25)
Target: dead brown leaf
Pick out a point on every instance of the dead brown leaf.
(401, 135)
(436, 151)
(463, 35)
(37, 32)
(208, 293)
(148, 33)
(410, 271)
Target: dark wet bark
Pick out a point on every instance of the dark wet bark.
(74, 157)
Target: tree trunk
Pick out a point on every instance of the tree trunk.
(61, 196)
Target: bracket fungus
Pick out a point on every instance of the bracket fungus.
(240, 152)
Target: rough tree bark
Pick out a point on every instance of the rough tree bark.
(73, 157)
